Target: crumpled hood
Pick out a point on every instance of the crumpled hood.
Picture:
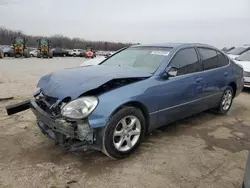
(75, 81)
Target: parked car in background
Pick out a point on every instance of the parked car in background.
(108, 54)
(246, 183)
(8, 51)
(33, 53)
(111, 106)
(82, 53)
(75, 52)
(238, 51)
(227, 49)
(94, 61)
(244, 61)
(59, 52)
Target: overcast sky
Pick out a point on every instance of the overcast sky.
(216, 22)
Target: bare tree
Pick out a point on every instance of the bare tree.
(6, 36)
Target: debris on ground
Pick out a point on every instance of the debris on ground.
(71, 181)
(6, 98)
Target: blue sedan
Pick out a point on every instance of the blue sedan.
(111, 106)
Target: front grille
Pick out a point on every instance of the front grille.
(246, 74)
(46, 104)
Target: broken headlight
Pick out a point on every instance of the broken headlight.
(79, 108)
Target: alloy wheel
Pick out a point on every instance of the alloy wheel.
(127, 133)
(227, 100)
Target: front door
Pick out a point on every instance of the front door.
(180, 94)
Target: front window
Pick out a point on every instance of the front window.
(237, 51)
(244, 57)
(19, 41)
(144, 58)
(44, 43)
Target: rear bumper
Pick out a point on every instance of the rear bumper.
(247, 82)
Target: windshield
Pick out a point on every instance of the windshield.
(19, 41)
(237, 51)
(44, 43)
(244, 57)
(144, 58)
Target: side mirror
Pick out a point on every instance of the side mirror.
(172, 72)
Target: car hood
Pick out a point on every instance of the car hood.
(75, 81)
(244, 64)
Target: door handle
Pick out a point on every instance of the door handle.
(198, 80)
(226, 73)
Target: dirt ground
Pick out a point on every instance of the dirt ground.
(206, 150)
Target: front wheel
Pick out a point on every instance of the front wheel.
(124, 132)
(26, 53)
(226, 101)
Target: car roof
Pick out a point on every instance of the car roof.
(173, 45)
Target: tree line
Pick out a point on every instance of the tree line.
(7, 35)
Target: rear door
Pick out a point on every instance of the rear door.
(215, 75)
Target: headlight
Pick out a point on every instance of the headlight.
(79, 108)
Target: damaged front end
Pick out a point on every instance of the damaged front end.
(67, 133)
(64, 104)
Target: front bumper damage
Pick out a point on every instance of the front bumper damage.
(70, 135)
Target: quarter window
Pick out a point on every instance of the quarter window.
(223, 60)
(186, 61)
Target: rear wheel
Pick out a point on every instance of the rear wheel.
(26, 53)
(124, 132)
(39, 54)
(50, 54)
(226, 101)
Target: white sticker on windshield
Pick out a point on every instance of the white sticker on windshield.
(165, 53)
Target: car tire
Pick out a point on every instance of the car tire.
(1, 54)
(117, 146)
(226, 101)
(38, 54)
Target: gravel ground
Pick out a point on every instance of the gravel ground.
(205, 150)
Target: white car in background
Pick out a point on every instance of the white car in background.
(238, 51)
(75, 52)
(244, 61)
(94, 61)
(33, 53)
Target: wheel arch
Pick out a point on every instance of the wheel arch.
(234, 87)
(138, 105)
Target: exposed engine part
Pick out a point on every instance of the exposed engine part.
(84, 132)
(113, 84)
